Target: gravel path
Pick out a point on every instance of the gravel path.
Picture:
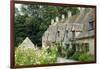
(63, 60)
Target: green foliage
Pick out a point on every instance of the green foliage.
(86, 57)
(80, 56)
(35, 56)
(75, 56)
(70, 53)
(24, 56)
(63, 51)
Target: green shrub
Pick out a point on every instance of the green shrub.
(80, 56)
(24, 57)
(70, 52)
(76, 56)
(35, 56)
(86, 57)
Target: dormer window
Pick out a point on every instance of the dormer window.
(91, 22)
(73, 34)
(91, 25)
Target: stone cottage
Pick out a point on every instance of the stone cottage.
(78, 29)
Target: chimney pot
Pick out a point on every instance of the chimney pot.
(52, 21)
(57, 19)
(63, 16)
(69, 14)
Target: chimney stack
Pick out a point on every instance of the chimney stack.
(52, 21)
(62, 18)
(69, 14)
(81, 10)
(57, 19)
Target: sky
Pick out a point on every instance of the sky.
(18, 6)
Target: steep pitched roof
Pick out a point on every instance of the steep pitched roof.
(27, 43)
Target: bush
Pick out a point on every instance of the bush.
(86, 57)
(70, 52)
(80, 56)
(76, 56)
(35, 56)
(24, 57)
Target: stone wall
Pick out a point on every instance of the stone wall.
(91, 43)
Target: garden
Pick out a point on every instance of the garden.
(49, 55)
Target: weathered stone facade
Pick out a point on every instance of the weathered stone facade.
(74, 28)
